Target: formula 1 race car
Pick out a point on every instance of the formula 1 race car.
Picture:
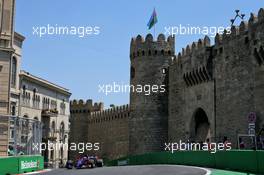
(98, 162)
(85, 162)
(69, 164)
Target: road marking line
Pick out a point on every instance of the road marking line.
(208, 172)
(36, 172)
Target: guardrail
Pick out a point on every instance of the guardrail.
(20, 164)
(238, 160)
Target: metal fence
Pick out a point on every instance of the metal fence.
(3, 135)
(25, 136)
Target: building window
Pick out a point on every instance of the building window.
(12, 133)
(164, 70)
(13, 109)
(36, 99)
(52, 154)
(149, 53)
(45, 103)
(25, 130)
(14, 72)
(24, 89)
(62, 108)
(53, 105)
(53, 128)
(62, 131)
(26, 98)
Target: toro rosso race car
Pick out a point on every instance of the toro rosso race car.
(88, 162)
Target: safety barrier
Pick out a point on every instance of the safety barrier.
(20, 164)
(238, 160)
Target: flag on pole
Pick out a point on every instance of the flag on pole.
(153, 19)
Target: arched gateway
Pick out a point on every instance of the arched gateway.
(200, 126)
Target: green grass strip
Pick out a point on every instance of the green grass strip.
(225, 172)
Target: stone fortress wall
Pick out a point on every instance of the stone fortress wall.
(91, 123)
(224, 82)
(210, 91)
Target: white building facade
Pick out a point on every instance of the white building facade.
(28, 97)
(34, 98)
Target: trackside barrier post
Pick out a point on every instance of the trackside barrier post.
(20, 164)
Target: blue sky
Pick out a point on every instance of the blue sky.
(81, 64)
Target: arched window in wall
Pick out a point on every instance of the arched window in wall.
(24, 129)
(14, 71)
(62, 107)
(62, 130)
(13, 109)
(53, 127)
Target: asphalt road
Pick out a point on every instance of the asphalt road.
(132, 170)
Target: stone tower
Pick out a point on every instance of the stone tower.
(148, 122)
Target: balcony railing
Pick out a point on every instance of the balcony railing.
(48, 134)
(49, 112)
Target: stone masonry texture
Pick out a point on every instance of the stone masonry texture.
(210, 91)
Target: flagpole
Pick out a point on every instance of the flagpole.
(154, 32)
(154, 24)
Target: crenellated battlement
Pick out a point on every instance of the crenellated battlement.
(140, 46)
(198, 46)
(234, 33)
(79, 106)
(195, 60)
(118, 112)
(245, 29)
